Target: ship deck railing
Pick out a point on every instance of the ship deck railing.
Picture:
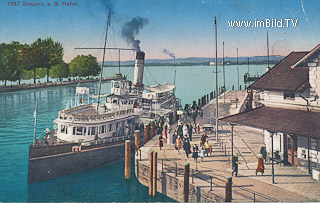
(93, 117)
(107, 140)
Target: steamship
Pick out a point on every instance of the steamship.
(89, 135)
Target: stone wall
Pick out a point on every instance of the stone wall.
(172, 186)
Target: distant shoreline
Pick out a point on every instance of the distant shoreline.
(13, 88)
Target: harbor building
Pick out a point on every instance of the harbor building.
(285, 103)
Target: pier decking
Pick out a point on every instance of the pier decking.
(292, 185)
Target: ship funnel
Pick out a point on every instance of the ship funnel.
(138, 69)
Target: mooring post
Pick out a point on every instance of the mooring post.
(228, 195)
(176, 171)
(146, 133)
(137, 140)
(192, 176)
(127, 159)
(210, 183)
(153, 129)
(154, 184)
(254, 197)
(186, 182)
(150, 173)
(161, 164)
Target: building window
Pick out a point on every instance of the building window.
(110, 128)
(84, 130)
(117, 126)
(289, 95)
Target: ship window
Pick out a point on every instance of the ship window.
(116, 85)
(93, 131)
(110, 128)
(79, 130)
(63, 128)
(102, 129)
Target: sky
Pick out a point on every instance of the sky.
(183, 27)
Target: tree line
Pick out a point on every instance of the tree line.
(44, 57)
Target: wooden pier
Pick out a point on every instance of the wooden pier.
(209, 180)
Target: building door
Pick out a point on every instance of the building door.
(292, 150)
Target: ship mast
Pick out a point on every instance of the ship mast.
(35, 122)
(217, 98)
(102, 64)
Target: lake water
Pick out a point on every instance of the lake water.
(105, 183)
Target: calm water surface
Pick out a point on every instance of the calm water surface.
(103, 184)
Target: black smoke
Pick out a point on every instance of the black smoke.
(131, 29)
(169, 53)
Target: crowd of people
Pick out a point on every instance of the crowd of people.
(181, 137)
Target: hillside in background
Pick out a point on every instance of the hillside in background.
(201, 61)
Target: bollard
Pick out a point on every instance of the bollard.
(192, 176)
(150, 173)
(136, 140)
(146, 133)
(186, 182)
(176, 171)
(161, 164)
(153, 129)
(254, 197)
(210, 183)
(228, 195)
(127, 159)
(155, 163)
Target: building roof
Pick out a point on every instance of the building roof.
(310, 54)
(284, 78)
(298, 122)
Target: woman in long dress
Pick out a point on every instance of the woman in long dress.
(160, 141)
(179, 144)
(260, 167)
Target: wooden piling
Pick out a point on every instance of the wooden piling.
(232, 87)
(136, 140)
(199, 102)
(207, 98)
(186, 182)
(240, 87)
(228, 196)
(155, 168)
(153, 129)
(127, 159)
(214, 94)
(151, 173)
(145, 133)
(211, 95)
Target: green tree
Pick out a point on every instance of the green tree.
(45, 54)
(9, 64)
(84, 66)
(60, 71)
